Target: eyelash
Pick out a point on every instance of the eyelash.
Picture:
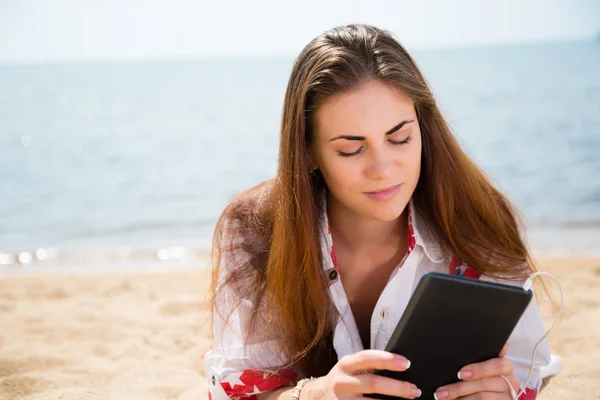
(394, 142)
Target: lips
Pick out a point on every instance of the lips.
(386, 189)
(384, 194)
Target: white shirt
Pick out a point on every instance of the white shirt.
(238, 370)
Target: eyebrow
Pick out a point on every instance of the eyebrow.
(352, 137)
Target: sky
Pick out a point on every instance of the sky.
(76, 30)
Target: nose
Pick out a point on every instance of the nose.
(379, 165)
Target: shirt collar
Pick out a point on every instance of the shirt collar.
(423, 235)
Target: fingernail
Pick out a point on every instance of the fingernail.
(403, 362)
(416, 393)
(442, 394)
(464, 374)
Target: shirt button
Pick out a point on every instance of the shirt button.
(333, 275)
(382, 313)
(213, 380)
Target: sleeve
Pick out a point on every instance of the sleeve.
(527, 333)
(235, 368)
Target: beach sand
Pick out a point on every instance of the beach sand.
(143, 336)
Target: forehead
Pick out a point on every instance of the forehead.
(370, 109)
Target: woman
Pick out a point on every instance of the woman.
(313, 269)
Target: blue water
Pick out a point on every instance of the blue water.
(111, 162)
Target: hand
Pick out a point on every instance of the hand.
(483, 381)
(353, 376)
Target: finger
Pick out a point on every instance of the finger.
(486, 369)
(462, 389)
(504, 350)
(370, 383)
(370, 360)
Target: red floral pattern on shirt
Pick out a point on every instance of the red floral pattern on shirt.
(412, 242)
(334, 258)
(245, 385)
(529, 394)
(457, 267)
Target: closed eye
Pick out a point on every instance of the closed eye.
(360, 149)
(399, 142)
(341, 153)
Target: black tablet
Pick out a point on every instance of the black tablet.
(450, 322)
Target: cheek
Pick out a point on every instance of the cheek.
(340, 173)
(416, 161)
(411, 162)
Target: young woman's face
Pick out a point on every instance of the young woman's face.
(367, 145)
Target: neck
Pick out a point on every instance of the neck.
(358, 232)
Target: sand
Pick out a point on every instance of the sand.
(143, 336)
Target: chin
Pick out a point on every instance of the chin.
(387, 213)
(387, 217)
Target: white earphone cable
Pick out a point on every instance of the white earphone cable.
(527, 286)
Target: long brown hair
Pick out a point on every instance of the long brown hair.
(275, 224)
